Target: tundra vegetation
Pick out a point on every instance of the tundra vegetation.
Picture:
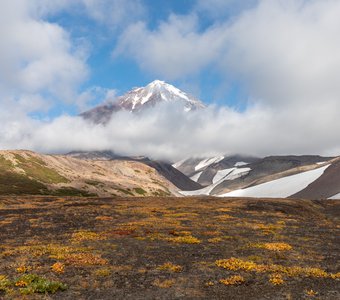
(166, 248)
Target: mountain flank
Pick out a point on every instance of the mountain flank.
(26, 172)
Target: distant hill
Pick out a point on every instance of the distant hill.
(305, 176)
(26, 172)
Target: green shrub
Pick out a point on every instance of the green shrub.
(31, 283)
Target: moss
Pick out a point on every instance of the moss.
(140, 191)
(127, 192)
(70, 191)
(15, 183)
(93, 182)
(31, 283)
(5, 164)
(161, 193)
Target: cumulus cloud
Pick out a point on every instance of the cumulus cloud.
(286, 54)
(37, 58)
(175, 50)
(287, 51)
(94, 95)
(114, 13)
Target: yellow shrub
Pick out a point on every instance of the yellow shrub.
(277, 246)
(235, 264)
(86, 236)
(215, 240)
(276, 279)
(58, 267)
(272, 246)
(23, 269)
(188, 239)
(170, 267)
(233, 280)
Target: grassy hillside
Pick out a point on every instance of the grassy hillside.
(29, 173)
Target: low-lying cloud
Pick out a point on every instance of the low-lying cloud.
(167, 132)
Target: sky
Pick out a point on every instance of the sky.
(269, 71)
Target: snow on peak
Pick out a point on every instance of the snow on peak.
(140, 98)
(156, 82)
(155, 92)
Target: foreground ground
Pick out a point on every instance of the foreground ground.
(168, 248)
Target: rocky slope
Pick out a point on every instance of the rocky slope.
(309, 177)
(26, 172)
(164, 168)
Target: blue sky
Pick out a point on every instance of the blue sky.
(270, 67)
(121, 73)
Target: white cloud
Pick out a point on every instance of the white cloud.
(94, 95)
(114, 13)
(286, 53)
(36, 57)
(39, 59)
(175, 50)
(168, 132)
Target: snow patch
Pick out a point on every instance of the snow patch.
(240, 164)
(207, 162)
(196, 176)
(221, 174)
(179, 163)
(280, 188)
(337, 197)
(237, 173)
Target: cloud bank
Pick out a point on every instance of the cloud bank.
(167, 132)
(284, 54)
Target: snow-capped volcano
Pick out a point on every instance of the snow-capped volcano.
(144, 97)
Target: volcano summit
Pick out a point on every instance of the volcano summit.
(141, 98)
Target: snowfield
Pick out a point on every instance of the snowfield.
(222, 175)
(207, 162)
(337, 196)
(237, 173)
(196, 176)
(240, 164)
(280, 188)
